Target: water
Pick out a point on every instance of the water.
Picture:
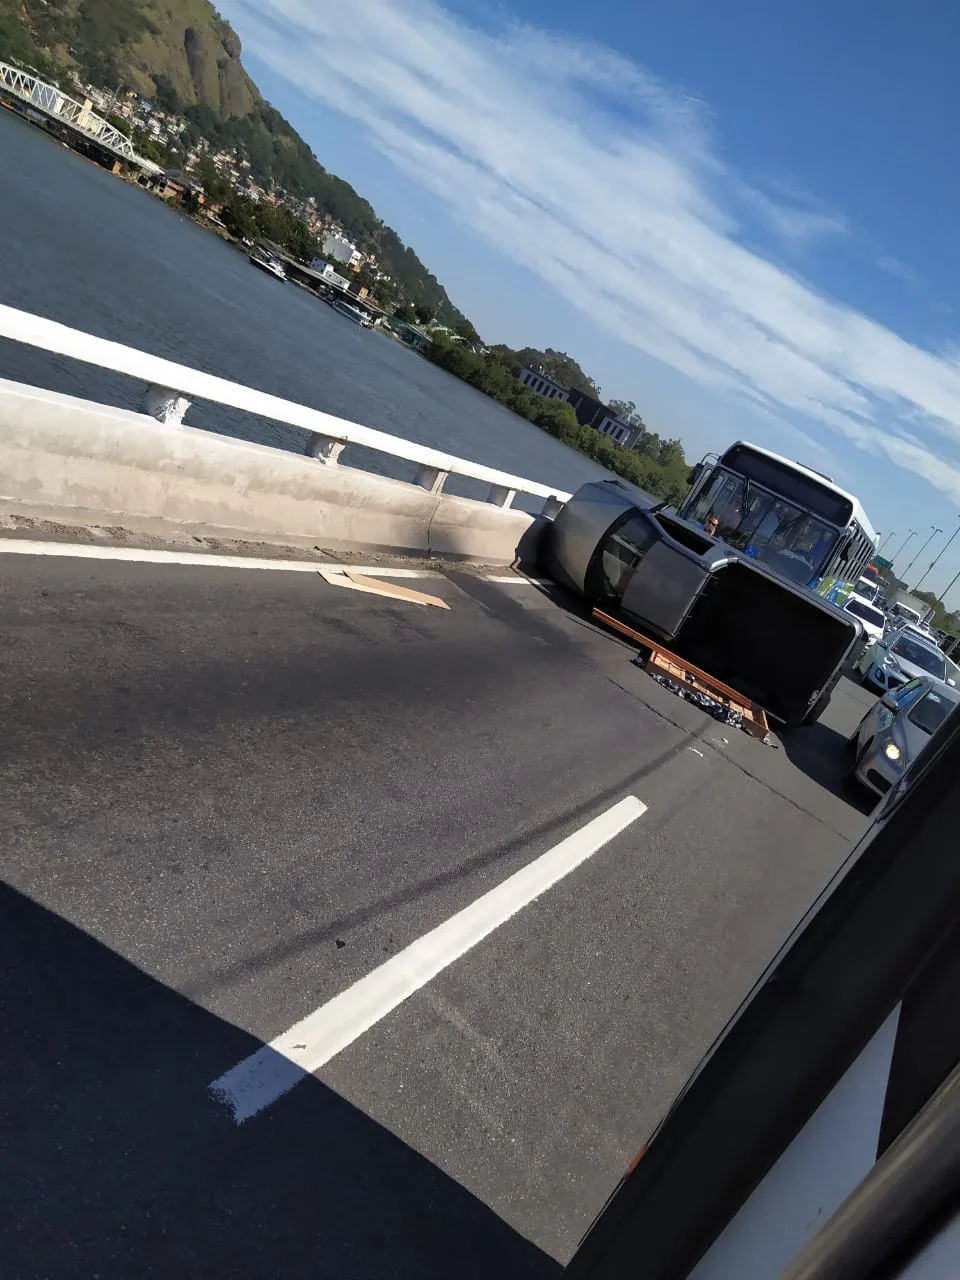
(80, 246)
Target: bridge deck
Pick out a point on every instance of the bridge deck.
(231, 794)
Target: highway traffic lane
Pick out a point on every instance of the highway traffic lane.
(534, 1069)
(807, 766)
(256, 786)
(213, 746)
(118, 1163)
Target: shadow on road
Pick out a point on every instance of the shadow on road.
(125, 1166)
(823, 755)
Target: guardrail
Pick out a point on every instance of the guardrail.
(171, 387)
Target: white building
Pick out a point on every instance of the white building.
(541, 385)
(328, 273)
(620, 432)
(339, 247)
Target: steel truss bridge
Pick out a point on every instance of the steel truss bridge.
(57, 105)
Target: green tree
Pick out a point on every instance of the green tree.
(626, 411)
(151, 149)
(468, 333)
(556, 416)
(425, 312)
(215, 188)
(670, 454)
(239, 217)
(118, 122)
(165, 96)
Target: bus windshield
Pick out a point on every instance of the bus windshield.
(764, 526)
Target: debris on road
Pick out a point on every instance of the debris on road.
(374, 587)
(719, 700)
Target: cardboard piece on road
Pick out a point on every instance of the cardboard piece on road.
(374, 587)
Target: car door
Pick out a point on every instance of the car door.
(875, 653)
(880, 717)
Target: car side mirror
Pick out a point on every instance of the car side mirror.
(889, 702)
(950, 680)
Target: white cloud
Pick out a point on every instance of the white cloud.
(583, 168)
(794, 222)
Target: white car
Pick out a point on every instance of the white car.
(872, 619)
(896, 658)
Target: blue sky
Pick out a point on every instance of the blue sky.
(742, 216)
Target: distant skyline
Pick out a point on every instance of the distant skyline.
(741, 217)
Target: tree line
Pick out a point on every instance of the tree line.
(657, 466)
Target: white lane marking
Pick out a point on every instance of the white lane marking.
(519, 580)
(139, 555)
(266, 1075)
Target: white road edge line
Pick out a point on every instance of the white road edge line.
(519, 580)
(140, 555)
(268, 1074)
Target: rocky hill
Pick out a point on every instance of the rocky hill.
(182, 55)
(137, 43)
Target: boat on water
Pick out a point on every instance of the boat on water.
(351, 312)
(270, 265)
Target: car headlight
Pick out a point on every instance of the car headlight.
(891, 751)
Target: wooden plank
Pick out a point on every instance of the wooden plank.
(677, 670)
(396, 592)
(375, 587)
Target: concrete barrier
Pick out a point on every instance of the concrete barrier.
(63, 452)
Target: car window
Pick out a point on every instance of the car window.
(920, 655)
(860, 609)
(931, 711)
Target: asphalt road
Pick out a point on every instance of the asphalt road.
(228, 795)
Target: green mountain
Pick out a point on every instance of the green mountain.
(183, 56)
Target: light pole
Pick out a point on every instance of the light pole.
(911, 534)
(921, 551)
(938, 555)
(884, 543)
(943, 598)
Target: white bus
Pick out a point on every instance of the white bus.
(797, 521)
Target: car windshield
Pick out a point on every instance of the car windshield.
(860, 609)
(764, 526)
(931, 711)
(921, 655)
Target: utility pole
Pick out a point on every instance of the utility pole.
(884, 542)
(938, 555)
(911, 534)
(943, 598)
(922, 549)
